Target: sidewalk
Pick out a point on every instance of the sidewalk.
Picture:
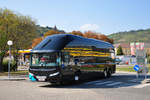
(140, 80)
(14, 78)
(129, 72)
(126, 72)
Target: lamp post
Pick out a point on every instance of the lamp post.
(9, 44)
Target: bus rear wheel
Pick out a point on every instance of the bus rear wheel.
(105, 74)
(109, 73)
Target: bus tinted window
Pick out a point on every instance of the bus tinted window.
(44, 59)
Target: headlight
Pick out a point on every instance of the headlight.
(54, 74)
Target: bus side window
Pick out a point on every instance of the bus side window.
(65, 57)
(76, 61)
(58, 60)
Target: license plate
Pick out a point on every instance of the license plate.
(41, 78)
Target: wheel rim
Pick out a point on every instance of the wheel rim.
(76, 78)
(105, 73)
(109, 73)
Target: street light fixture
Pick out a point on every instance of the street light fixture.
(9, 43)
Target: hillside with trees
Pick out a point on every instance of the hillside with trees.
(88, 34)
(131, 36)
(41, 30)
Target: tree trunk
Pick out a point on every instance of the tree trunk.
(1, 61)
(16, 64)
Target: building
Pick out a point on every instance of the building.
(125, 48)
(130, 48)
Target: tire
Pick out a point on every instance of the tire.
(61, 81)
(77, 77)
(105, 73)
(109, 73)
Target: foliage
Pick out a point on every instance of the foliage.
(52, 32)
(36, 41)
(148, 59)
(41, 30)
(13, 66)
(131, 36)
(45, 31)
(18, 28)
(128, 68)
(88, 34)
(119, 51)
(20, 72)
(77, 33)
(98, 36)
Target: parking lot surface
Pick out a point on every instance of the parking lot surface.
(121, 86)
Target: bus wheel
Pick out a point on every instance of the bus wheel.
(109, 73)
(76, 78)
(61, 81)
(105, 73)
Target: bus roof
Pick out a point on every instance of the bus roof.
(57, 42)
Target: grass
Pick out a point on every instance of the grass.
(129, 68)
(24, 72)
(126, 69)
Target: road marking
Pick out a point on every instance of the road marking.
(103, 83)
(93, 82)
(141, 85)
(135, 80)
(115, 83)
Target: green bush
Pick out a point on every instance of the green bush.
(13, 66)
(148, 59)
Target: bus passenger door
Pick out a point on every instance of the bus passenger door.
(66, 69)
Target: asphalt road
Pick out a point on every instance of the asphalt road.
(121, 86)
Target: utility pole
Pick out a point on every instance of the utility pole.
(9, 44)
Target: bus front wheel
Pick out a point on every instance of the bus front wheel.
(107, 73)
(77, 77)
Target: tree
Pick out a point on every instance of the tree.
(36, 41)
(90, 34)
(105, 38)
(98, 36)
(20, 29)
(76, 33)
(52, 32)
(119, 50)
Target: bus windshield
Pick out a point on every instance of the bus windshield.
(44, 59)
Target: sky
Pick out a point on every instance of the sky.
(102, 16)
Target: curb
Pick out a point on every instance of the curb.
(146, 81)
(125, 72)
(13, 78)
(129, 72)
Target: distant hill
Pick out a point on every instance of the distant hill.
(131, 36)
(42, 30)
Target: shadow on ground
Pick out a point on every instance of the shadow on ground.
(123, 79)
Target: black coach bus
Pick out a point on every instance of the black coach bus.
(63, 57)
